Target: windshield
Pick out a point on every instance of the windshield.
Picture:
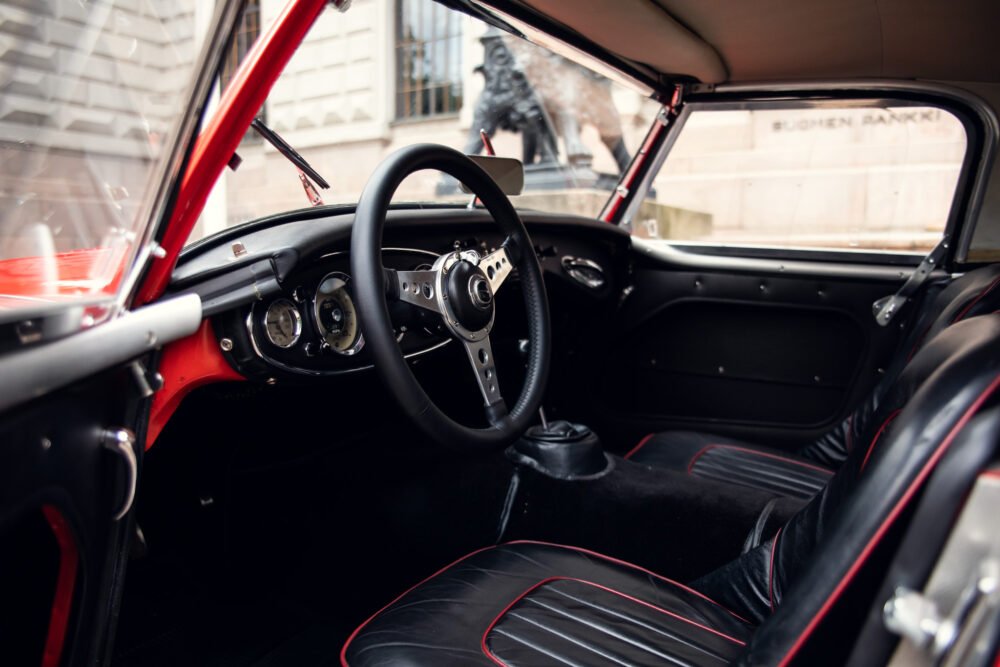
(389, 74)
(89, 94)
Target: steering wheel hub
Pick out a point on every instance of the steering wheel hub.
(469, 295)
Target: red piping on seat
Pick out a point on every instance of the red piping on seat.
(642, 443)
(911, 490)
(593, 554)
(978, 298)
(989, 288)
(618, 561)
(878, 434)
(489, 654)
(757, 453)
(62, 601)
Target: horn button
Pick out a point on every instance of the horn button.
(470, 295)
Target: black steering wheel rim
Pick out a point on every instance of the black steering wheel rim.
(371, 295)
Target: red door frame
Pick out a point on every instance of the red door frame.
(218, 141)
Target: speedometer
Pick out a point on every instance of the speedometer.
(283, 323)
(336, 317)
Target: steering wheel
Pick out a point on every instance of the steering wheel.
(460, 289)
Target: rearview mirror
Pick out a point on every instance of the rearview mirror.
(506, 171)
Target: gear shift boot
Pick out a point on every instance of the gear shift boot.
(561, 449)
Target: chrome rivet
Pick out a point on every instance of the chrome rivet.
(226, 344)
(271, 381)
(816, 378)
(722, 370)
(46, 444)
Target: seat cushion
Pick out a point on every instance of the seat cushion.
(731, 461)
(532, 603)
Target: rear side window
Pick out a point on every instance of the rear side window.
(852, 179)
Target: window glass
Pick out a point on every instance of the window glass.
(88, 93)
(845, 179)
(428, 59)
(384, 75)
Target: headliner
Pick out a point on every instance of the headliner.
(717, 41)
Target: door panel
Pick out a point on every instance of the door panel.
(71, 414)
(60, 486)
(753, 351)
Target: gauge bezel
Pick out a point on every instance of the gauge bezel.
(320, 296)
(297, 316)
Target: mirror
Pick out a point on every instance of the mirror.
(506, 171)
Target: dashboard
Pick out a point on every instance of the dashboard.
(280, 295)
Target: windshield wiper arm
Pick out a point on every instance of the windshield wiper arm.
(285, 149)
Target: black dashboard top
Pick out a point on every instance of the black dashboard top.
(310, 232)
(278, 289)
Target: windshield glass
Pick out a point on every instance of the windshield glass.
(385, 75)
(89, 93)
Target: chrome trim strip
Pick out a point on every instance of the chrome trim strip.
(664, 252)
(183, 134)
(418, 251)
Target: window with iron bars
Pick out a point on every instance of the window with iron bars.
(428, 60)
(243, 39)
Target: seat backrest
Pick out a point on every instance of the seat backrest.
(792, 582)
(974, 293)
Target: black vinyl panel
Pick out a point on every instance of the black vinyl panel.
(29, 565)
(742, 362)
(764, 356)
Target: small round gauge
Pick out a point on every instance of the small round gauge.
(336, 317)
(283, 323)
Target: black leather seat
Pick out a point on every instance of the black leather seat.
(531, 603)
(803, 472)
(536, 603)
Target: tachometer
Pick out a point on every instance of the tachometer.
(283, 323)
(336, 317)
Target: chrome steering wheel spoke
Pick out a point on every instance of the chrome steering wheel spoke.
(418, 288)
(481, 356)
(496, 266)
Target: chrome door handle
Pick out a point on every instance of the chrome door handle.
(122, 442)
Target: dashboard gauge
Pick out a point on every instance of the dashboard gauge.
(283, 323)
(336, 317)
